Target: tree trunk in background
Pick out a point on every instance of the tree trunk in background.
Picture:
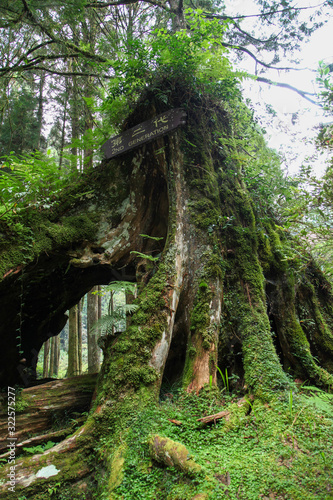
(52, 349)
(79, 334)
(54, 356)
(46, 359)
(40, 108)
(88, 124)
(73, 361)
(92, 333)
(74, 117)
(63, 127)
(89, 37)
(99, 288)
(111, 310)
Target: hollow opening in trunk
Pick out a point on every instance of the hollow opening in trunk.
(230, 364)
(174, 366)
(46, 290)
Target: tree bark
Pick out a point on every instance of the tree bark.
(40, 114)
(73, 360)
(46, 359)
(54, 356)
(92, 333)
(79, 334)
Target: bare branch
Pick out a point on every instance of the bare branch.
(39, 47)
(72, 73)
(269, 66)
(103, 5)
(302, 93)
(256, 40)
(262, 14)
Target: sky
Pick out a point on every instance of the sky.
(292, 135)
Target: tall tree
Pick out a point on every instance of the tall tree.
(54, 356)
(79, 334)
(92, 333)
(73, 360)
(46, 359)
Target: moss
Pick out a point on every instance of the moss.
(200, 314)
(45, 235)
(172, 454)
(215, 266)
(237, 412)
(245, 320)
(70, 229)
(289, 328)
(204, 214)
(137, 375)
(191, 354)
(122, 346)
(313, 321)
(264, 250)
(116, 468)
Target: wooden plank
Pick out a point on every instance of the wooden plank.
(144, 132)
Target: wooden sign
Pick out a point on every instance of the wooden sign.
(144, 132)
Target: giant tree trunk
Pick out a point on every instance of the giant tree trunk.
(220, 294)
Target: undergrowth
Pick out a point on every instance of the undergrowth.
(280, 449)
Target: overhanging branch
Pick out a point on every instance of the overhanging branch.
(247, 51)
(103, 5)
(262, 14)
(55, 39)
(302, 93)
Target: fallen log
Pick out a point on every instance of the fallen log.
(211, 419)
(47, 408)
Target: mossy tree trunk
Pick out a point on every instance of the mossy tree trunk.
(220, 292)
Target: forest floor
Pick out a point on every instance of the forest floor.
(281, 449)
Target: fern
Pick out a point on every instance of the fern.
(320, 399)
(106, 322)
(116, 287)
(155, 238)
(39, 448)
(145, 256)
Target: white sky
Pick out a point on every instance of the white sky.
(293, 141)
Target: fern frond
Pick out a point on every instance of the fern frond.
(145, 256)
(116, 287)
(155, 238)
(106, 322)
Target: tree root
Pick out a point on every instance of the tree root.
(172, 454)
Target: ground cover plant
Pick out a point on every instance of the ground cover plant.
(275, 449)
